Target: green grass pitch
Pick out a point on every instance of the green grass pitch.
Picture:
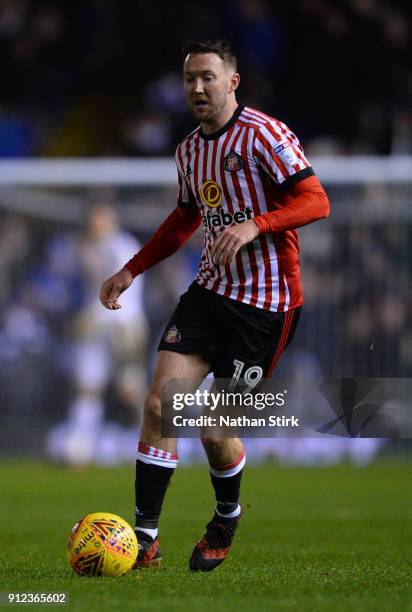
(311, 539)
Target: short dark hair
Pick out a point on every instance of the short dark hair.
(219, 46)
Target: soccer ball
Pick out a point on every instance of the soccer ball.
(102, 544)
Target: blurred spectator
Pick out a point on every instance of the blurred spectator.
(107, 345)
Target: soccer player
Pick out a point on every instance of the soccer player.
(244, 176)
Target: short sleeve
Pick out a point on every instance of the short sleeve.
(278, 151)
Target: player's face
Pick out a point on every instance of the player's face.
(208, 82)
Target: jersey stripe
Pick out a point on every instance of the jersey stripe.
(217, 176)
(241, 277)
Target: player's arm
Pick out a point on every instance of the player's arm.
(168, 238)
(304, 203)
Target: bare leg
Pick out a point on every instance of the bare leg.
(169, 366)
(222, 451)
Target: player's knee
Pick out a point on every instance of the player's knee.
(222, 451)
(152, 409)
(212, 445)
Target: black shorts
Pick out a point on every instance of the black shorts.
(235, 338)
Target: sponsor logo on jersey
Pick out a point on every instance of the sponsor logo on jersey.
(286, 153)
(172, 335)
(226, 218)
(211, 194)
(280, 147)
(233, 162)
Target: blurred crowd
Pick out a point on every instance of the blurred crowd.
(102, 77)
(69, 366)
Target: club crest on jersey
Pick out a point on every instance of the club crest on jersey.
(211, 194)
(233, 162)
(172, 335)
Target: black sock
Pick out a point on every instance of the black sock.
(150, 488)
(227, 492)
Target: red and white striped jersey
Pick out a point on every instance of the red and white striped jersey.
(235, 174)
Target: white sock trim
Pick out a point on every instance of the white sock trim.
(156, 456)
(233, 514)
(231, 471)
(168, 463)
(150, 532)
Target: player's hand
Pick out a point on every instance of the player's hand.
(113, 287)
(232, 239)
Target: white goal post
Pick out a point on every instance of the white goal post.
(158, 172)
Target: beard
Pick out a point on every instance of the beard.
(208, 112)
